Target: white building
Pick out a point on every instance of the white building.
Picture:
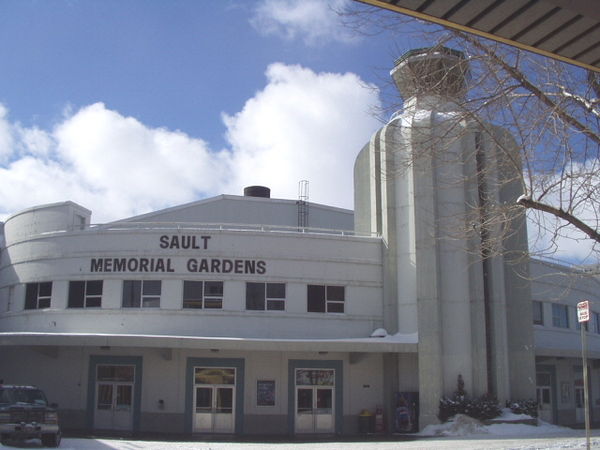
(248, 314)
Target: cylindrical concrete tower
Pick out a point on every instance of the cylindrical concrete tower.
(426, 181)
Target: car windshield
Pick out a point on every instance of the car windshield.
(28, 396)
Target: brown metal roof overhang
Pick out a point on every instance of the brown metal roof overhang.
(567, 30)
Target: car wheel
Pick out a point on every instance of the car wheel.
(51, 440)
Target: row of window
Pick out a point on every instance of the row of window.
(560, 317)
(196, 295)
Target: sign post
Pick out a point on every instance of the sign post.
(583, 317)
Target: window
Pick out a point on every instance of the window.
(269, 296)
(37, 295)
(560, 316)
(203, 294)
(325, 298)
(315, 377)
(144, 294)
(538, 313)
(596, 319)
(85, 294)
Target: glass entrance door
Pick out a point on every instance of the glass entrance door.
(214, 400)
(544, 396)
(315, 401)
(114, 398)
(544, 399)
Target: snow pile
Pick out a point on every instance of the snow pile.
(462, 425)
(508, 415)
(459, 425)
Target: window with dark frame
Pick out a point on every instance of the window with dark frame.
(560, 315)
(141, 293)
(265, 296)
(322, 298)
(85, 294)
(203, 294)
(538, 312)
(37, 295)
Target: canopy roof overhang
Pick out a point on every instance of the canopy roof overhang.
(554, 352)
(389, 344)
(567, 30)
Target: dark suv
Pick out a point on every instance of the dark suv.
(25, 414)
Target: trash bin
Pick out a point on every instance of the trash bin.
(366, 422)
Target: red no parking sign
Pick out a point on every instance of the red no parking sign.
(583, 311)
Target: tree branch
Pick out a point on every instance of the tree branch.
(518, 76)
(527, 202)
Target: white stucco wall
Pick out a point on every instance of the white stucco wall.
(296, 259)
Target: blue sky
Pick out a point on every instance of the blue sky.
(174, 64)
(126, 106)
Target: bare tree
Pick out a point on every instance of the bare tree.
(552, 111)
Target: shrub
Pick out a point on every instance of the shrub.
(529, 407)
(485, 408)
(482, 408)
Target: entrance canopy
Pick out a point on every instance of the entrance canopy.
(388, 344)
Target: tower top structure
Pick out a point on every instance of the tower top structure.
(439, 71)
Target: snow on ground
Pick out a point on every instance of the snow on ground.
(447, 443)
(467, 433)
(570, 440)
(462, 433)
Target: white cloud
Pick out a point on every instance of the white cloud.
(110, 163)
(35, 141)
(302, 125)
(119, 155)
(313, 21)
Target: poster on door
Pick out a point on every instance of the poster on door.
(265, 393)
